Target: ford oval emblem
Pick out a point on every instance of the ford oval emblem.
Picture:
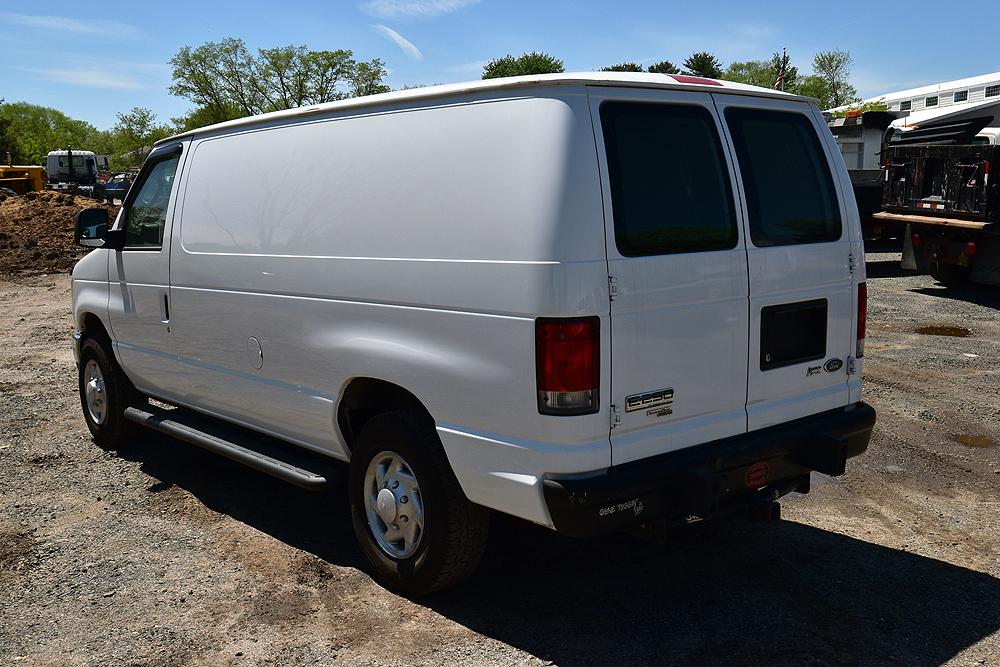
(833, 365)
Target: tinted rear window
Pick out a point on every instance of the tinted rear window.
(790, 193)
(670, 189)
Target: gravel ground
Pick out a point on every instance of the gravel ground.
(161, 554)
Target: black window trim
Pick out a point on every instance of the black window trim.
(155, 158)
(834, 183)
(727, 172)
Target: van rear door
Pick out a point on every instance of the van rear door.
(800, 237)
(676, 258)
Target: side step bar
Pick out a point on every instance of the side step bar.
(260, 452)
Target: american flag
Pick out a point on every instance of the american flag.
(779, 83)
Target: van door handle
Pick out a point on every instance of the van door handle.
(165, 309)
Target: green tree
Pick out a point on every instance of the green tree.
(751, 72)
(664, 67)
(367, 78)
(834, 68)
(134, 135)
(782, 62)
(703, 64)
(33, 130)
(226, 78)
(813, 86)
(624, 67)
(203, 116)
(529, 63)
(6, 141)
(764, 73)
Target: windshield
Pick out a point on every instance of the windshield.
(79, 161)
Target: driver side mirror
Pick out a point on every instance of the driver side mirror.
(92, 230)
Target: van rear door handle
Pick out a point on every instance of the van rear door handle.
(164, 308)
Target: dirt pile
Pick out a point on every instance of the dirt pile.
(36, 231)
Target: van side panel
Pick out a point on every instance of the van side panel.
(416, 247)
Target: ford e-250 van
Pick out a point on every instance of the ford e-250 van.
(591, 301)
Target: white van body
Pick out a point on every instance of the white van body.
(416, 238)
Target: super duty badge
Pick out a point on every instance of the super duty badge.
(649, 400)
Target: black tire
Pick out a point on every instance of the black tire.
(455, 530)
(118, 394)
(950, 275)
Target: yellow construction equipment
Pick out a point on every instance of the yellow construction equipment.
(22, 179)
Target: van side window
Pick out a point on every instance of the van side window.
(147, 210)
(670, 189)
(789, 187)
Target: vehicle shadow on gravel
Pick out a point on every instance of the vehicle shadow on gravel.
(987, 296)
(314, 521)
(729, 592)
(886, 269)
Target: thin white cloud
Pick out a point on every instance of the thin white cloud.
(405, 45)
(755, 30)
(89, 77)
(475, 67)
(408, 9)
(65, 24)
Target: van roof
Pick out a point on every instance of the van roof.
(628, 79)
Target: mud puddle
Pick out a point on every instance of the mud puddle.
(943, 330)
(979, 441)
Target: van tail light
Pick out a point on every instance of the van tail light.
(862, 318)
(568, 365)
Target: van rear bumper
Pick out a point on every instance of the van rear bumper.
(721, 477)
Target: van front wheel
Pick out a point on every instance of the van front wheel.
(416, 528)
(105, 392)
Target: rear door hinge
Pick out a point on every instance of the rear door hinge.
(852, 366)
(852, 263)
(612, 287)
(616, 419)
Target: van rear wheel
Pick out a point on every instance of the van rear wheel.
(417, 530)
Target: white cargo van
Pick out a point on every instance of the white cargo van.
(587, 300)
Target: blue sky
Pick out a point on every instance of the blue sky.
(92, 60)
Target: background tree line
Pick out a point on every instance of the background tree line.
(829, 81)
(226, 80)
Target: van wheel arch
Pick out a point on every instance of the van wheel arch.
(364, 398)
(91, 326)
